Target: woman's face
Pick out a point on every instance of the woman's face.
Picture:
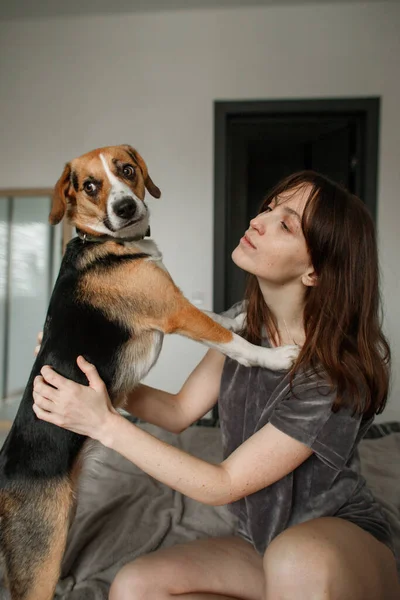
(273, 248)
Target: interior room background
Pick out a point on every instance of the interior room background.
(70, 83)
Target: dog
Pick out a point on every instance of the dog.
(113, 301)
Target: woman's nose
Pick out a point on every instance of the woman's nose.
(258, 225)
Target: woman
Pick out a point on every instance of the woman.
(307, 525)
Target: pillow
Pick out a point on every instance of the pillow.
(378, 430)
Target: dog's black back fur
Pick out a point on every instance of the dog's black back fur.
(34, 448)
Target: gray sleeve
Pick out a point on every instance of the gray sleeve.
(235, 309)
(306, 415)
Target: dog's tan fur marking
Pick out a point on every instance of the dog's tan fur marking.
(34, 532)
(58, 512)
(143, 297)
(197, 325)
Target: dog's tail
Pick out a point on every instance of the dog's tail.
(34, 521)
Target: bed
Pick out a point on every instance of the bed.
(123, 513)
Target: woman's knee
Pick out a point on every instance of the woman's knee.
(295, 563)
(135, 581)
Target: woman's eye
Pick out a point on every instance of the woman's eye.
(128, 171)
(266, 210)
(89, 187)
(285, 227)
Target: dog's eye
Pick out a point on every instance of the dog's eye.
(90, 187)
(128, 170)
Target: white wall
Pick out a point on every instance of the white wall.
(71, 84)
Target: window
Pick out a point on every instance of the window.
(30, 256)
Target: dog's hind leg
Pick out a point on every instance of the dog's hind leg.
(33, 532)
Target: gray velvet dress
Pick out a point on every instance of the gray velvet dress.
(326, 484)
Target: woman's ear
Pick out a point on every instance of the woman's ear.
(310, 278)
(59, 204)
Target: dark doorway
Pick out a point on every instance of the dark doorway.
(258, 143)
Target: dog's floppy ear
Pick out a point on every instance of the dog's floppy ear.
(59, 204)
(150, 186)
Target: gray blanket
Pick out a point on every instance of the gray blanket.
(122, 513)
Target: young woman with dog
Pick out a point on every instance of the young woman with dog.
(308, 528)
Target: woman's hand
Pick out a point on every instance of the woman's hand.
(82, 409)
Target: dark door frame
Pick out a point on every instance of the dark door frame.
(369, 108)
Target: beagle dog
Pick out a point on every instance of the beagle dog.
(113, 302)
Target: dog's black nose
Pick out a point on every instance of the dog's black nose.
(125, 208)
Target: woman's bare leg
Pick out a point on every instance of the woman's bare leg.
(204, 597)
(329, 559)
(211, 569)
(323, 559)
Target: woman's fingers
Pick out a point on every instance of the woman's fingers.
(60, 382)
(63, 402)
(42, 402)
(41, 388)
(45, 415)
(91, 373)
(55, 379)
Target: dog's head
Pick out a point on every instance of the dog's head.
(103, 192)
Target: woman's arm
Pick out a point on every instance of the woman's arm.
(264, 458)
(175, 412)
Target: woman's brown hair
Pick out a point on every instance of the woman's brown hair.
(342, 313)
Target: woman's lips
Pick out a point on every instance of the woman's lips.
(246, 242)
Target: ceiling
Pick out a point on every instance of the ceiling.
(28, 9)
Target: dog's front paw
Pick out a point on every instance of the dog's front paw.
(281, 358)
